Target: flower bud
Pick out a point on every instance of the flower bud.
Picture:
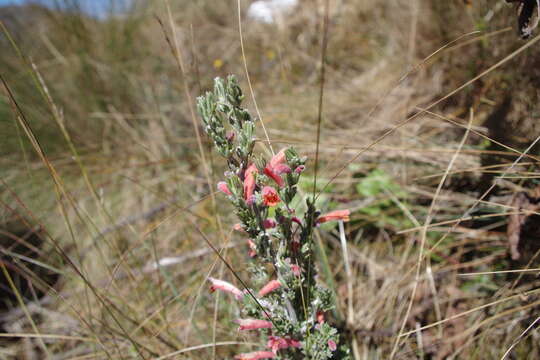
(300, 169)
(269, 223)
(224, 188)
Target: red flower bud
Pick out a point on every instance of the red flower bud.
(224, 188)
(268, 288)
(334, 215)
(249, 182)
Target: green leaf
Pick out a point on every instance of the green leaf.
(376, 182)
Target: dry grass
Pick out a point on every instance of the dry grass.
(129, 186)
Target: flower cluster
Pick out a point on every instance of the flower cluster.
(288, 309)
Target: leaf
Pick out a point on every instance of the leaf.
(528, 16)
(376, 182)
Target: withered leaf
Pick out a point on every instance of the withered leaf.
(520, 201)
(528, 16)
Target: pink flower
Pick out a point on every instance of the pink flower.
(334, 215)
(269, 223)
(277, 343)
(296, 220)
(282, 169)
(294, 343)
(249, 182)
(276, 167)
(320, 317)
(226, 287)
(270, 196)
(300, 169)
(256, 355)
(253, 324)
(224, 188)
(252, 248)
(268, 288)
(296, 269)
(238, 227)
(270, 173)
(279, 158)
(332, 345)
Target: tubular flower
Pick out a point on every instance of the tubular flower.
(276, 167)
(269, 223)
(282, 169)
(300, 169)
(226, 287)
(320, 317)
(297, 270)
(278, 159)
(332, 345)
(334, 216)
(253, 324)
(270, 196)
(224, 188)
(270, 173)
(256, 355)
(277, 343)
(252, 248)
(268, 288)
(249, 182)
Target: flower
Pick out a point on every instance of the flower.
(300, 169)
(238, 227)
(269, 223)
(256, 355)
(253, 324)
(320, 317)
(249, 182)
(268, 288)
(224, 188)
(282, 169)
(334, 215)
(279, 158)
(277, 343)
(270, 196)
(276, 167)
(270, 173)
(252, 248)
(296, 269)
(227, 287)
(332, 345)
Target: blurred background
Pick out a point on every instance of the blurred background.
(102, 175)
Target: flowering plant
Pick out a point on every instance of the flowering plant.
(289, 309)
